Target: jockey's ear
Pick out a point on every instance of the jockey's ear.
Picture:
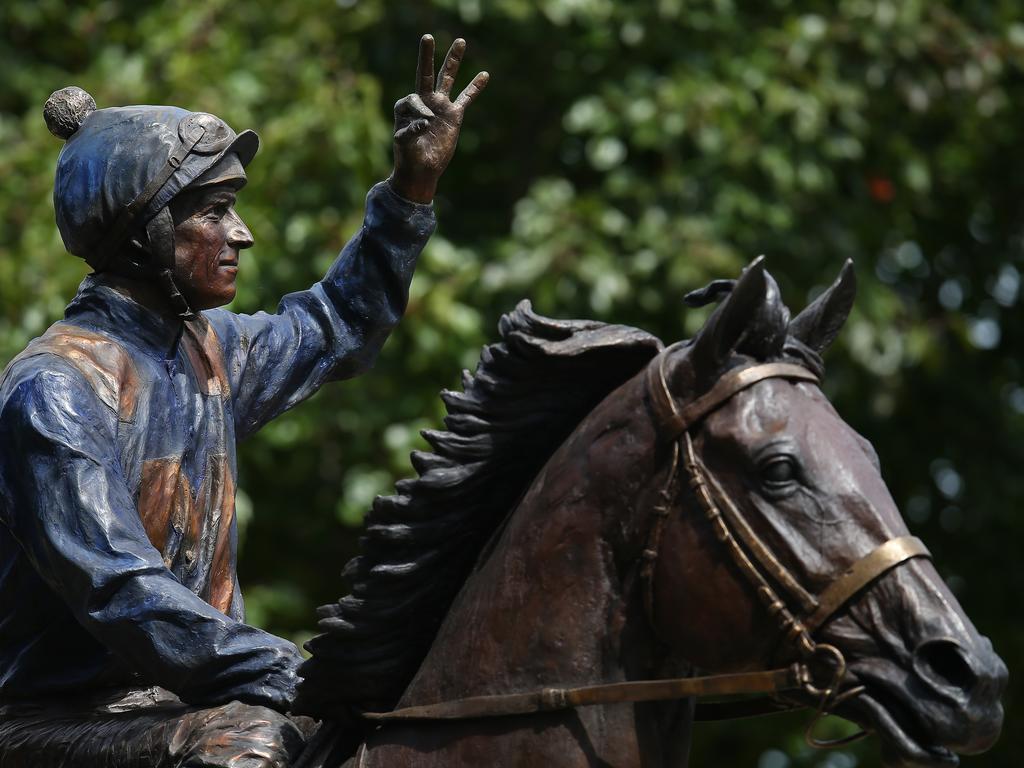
(819, 324)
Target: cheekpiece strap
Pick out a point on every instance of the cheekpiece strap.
(674, 421)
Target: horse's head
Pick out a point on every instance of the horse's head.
(778, 461)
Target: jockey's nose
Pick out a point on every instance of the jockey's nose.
(238, 235)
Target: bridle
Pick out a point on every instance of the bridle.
(798, 617)
(765, 572)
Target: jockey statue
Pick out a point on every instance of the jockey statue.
(118, 590)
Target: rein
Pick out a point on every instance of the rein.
(754, 559)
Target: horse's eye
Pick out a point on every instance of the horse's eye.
(778, 471)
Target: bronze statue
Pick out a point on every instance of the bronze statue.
(124, 642)
(609, 529)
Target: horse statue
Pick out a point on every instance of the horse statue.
(609, 529)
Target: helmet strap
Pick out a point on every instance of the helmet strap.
(160, 234)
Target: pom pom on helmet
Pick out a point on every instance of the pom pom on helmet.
(66, 110)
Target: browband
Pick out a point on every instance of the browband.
(673, 421)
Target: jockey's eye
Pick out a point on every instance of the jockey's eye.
(777, 472)
(218, 211)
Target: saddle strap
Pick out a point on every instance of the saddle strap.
(553, 699)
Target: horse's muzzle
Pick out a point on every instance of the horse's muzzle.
(971, 683)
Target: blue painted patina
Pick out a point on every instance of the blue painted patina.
(117, 474)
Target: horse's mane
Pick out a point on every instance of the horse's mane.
(528, 394)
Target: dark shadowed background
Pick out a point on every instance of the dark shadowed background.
(624, 153)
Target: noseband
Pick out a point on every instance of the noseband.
(798, 617)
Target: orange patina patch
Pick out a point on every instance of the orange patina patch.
(103, 363)
(166, 504)
(206, 356)
(222, 569)
(165, 501)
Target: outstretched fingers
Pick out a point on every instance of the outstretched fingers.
(471, 91)
(425, 66)
(450, 68)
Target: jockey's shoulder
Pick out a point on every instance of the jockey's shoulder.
(66, 356)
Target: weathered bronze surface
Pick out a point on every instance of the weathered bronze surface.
(778, 542)
(606, 530)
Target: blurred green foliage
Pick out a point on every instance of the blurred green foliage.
(624, 153)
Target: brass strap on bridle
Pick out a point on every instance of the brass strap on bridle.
(879, 561)
(746, 548)
(673, 421)
(754, 560)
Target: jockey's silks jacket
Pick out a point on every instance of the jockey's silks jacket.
(117, 473)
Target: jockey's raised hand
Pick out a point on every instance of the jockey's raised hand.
(427, 122)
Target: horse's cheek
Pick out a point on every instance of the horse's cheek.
(702, 606)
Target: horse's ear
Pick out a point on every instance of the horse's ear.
(819, 324)
(724, 330)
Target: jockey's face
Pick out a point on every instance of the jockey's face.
(208, 235)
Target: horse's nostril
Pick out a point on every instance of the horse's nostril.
(943, 663)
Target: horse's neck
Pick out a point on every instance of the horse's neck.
(542, 609)
(552, 606)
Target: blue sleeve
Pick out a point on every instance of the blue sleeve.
(335, 329)
(67, 503)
